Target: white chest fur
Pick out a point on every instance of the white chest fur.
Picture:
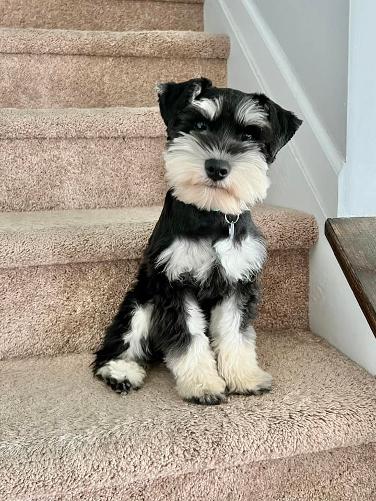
(237, 260)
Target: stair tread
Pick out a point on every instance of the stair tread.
(177, 44)
(114, 15)
(77, 158)
(86, 235)
(80, 122)
(65, 425)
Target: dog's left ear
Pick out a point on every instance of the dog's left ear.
(174, 97)
(283, 125)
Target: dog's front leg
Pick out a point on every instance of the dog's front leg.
(234, 341)
(189, 355)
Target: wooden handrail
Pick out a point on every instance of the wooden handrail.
(353, 241)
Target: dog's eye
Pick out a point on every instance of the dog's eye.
(246, 137)
(251, 132)
(200, 126)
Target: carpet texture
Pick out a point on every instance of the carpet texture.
(184, 44)
(70, 123)
(57, 237)
(58, 68)
(71, 433)
(81, 158)
(64, 273)
(114, 15)
(343, 474)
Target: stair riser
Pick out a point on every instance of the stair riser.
(107, 15)
(53, 80)
(42, 174)
(48, 310)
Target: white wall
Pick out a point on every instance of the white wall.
(305, 175)
(357, 189)
(314, 35)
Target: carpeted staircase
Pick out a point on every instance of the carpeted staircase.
(81, 187)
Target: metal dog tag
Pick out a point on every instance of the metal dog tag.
(231, 228)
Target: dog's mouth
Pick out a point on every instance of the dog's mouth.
(216, 185)
(206, 182)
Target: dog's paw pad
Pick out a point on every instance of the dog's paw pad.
(121, 376)
(119, 386)
(208, 399)
(258, 391)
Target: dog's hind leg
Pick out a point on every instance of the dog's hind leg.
(119, 361)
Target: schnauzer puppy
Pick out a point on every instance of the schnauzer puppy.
(196, 291)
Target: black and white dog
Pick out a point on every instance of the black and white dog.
(196, 292)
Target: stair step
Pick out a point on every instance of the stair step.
(317, 424)
(67, 68)
(114, 15)
(43, 238)
(80, 158)
(64, 273)
(69, 236)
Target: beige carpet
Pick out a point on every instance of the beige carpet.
(114, 15)
(73, 438)
(81, 158)
(68, 68)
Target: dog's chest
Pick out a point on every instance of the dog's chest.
(198, 258)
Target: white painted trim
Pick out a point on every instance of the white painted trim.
(263, 58)
(280, 59)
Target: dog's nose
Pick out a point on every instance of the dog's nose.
(217, 169)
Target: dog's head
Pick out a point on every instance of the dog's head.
(220, 142)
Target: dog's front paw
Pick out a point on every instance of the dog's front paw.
(205, 393)
(121, 375)
(253, 381)
(208, 399)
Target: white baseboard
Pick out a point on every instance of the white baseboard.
(305, 175)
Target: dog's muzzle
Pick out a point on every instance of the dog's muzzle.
(216, 170)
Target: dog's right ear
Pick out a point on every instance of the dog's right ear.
(174, 97)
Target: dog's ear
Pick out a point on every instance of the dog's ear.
(283, 125)
(174, 97)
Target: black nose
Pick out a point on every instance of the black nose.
(217, 169)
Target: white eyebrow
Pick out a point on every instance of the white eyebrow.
(210, 108)
(250, 112)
